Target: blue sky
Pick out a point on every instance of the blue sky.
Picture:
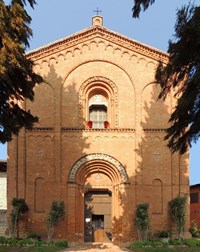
(55, 19)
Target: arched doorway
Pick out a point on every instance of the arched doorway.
(94, 186)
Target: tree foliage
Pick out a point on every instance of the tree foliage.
(19, 208)
(139, 5)
(142, 221)
(57, 211)
(17, 78)
(177, 207)
(181, 76)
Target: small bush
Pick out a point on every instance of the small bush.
(24, 242)
(142, 244)
(192, 242)
(33, 235)
(156, 244)
(12, 242)
(137, 244)
(39, 243)
(176, 242)
(57, 211)
(194, 231)
(163, 234)
(35, 244)
(44, 249)
(3, 240)
(62, 244)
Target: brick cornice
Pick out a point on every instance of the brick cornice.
(154, 130)
(102, 33)
(98, 130)
(40, 129)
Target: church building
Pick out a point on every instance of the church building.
(99, 142)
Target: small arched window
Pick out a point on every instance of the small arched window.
(98, 106)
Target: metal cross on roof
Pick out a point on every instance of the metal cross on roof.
(97, 11)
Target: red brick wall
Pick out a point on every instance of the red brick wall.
(195, 207)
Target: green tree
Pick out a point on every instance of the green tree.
(17, 78)
(182, 75)
(177, 207)
(142, 221)
(57, 211)
(19, 208)
(139, 5)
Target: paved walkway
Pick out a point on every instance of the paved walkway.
(93, 247)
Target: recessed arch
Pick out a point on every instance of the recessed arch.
(130, 78)
(101, 86)
(39, 195)
(157, 192)
(155, 112)
(98, 162)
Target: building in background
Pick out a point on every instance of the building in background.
(3, 196)
(98, 145)
(195, 204)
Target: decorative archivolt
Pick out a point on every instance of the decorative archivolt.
(107, 82)
(99, 83)
(112, 163)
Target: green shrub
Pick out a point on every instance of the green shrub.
(177, 207)
(137, 244)
(44, 249)
(33, 235)
(142, 221)
(176, 242)
(62, 244)
(163, 234)
(142, 244)
(194, 231)
(192, 242)
(39, 243)
(12, 242)
(3, 240)
(17, 215)
(157, 244)
(57, 211)
(25, 242)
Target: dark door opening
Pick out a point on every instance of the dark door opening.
(97, 216)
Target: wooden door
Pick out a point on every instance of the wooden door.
(98, 228)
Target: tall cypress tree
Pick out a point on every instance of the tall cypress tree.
(17, 78)
(182, 75)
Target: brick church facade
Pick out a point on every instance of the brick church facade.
(98, 145)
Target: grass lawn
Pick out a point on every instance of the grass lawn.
(194, 249)
(33, 249)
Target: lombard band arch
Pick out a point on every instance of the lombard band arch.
(101, 157)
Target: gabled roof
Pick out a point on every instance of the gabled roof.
(196, 185)
(99, 31)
